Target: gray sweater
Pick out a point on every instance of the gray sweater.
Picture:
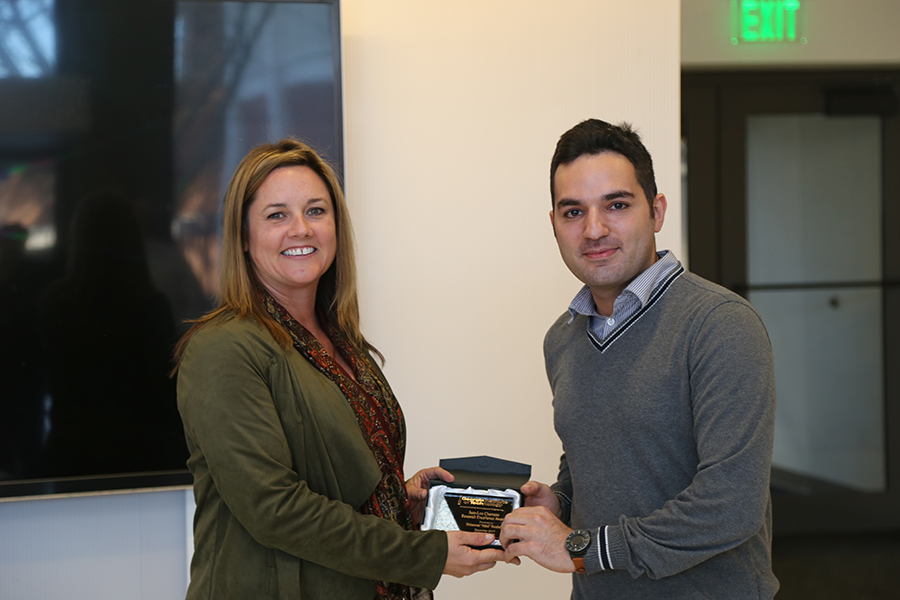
(667, 432)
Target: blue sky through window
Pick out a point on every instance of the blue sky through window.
(27, 38)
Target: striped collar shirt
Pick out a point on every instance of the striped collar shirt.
(632, 299)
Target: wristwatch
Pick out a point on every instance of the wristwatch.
(577, 543)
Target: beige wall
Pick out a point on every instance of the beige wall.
(840, 33)
(452, 110)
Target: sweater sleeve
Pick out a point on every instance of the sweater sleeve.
(238, 440)
(563, 489)
(731, 378)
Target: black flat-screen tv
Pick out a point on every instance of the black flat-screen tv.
(121, 122)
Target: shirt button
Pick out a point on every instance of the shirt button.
(610, 321)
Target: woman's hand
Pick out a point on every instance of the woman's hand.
(417, 489)
(464, 560)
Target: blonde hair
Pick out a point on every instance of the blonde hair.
(239, 288)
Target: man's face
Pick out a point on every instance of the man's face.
(603, 224)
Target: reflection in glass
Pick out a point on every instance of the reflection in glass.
(27, 38)
(126, 120)
(244, 73)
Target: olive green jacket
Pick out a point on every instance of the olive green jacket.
(280, 468)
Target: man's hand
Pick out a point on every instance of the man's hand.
(540, 494)
(464, 560)
(417, 489)
(535, 532)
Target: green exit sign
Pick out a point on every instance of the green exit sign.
(766, 21)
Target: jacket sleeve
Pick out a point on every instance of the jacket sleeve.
(727, 502)
(237, 438)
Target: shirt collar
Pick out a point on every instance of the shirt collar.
(641, 286)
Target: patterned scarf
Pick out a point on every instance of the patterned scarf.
(380, 421)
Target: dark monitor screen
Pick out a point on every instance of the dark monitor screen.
(121, 122)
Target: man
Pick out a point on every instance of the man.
(663, 397)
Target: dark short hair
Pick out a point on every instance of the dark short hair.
(594, 136)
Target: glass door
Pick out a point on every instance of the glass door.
(814, 272)
(798, 219)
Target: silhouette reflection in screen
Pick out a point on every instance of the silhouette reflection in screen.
(108, 333)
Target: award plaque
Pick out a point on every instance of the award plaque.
(484, 491)
(470, 509)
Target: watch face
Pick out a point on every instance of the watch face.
(578, 541)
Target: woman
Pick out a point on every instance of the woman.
(296, 441)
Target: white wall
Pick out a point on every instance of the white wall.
(101, 547)
(839, 33)
(452, 113)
